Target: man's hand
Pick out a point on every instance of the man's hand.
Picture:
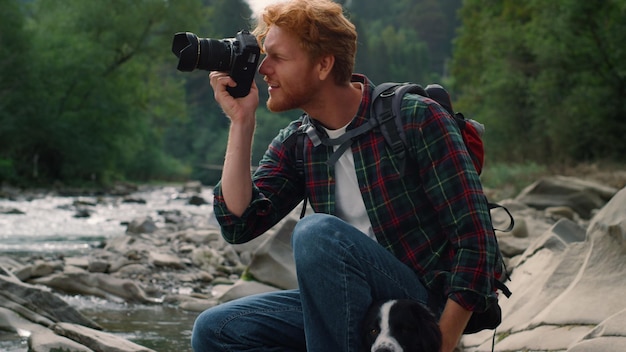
(236, 178)
(452, 323)
(238, 109)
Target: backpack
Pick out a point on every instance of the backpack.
(385, 115)
(387, 102)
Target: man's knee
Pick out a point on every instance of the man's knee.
(203, 336)
(321, 240)
(309, 228)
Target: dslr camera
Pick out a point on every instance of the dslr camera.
(239, 56)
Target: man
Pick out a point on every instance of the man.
(377, 234)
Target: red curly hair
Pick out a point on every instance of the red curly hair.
(321, 28)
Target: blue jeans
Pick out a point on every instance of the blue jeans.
(340, 271)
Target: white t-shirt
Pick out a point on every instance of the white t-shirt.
(349, 203)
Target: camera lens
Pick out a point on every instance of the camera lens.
(215, 55)
(202, 53)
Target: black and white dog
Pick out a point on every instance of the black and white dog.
(400, 326)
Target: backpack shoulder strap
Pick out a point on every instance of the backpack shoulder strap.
(511, 219)
(298, 140)
(385, 109)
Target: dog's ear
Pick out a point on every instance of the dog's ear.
(369, 336)
(429, 333)
(370, 327)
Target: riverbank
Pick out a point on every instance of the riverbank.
(168, 257)
(45, 230)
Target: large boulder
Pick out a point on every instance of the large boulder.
(273, 261)
(97, 340)
(98, 285)
(272, 266)
(38, 305)
(580, 195)
(567, 289)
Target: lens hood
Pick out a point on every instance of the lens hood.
(186, 47)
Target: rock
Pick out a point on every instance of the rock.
(123, 189)
(510, 246)
(48, 341)
(611, 221)
(13, 322)
(97, 340)
(9, 265)
(243, 288)
(273, 262)
(564, 289)
(134, 200)
(11, 211)
(142, 225)
(202, 236)
(98, 266)
(197, 200)
(38, 304)
(198, 304)
(79, 262)
(207, 258)
(98, 285)
(83, 212)
(38, 269)
(192, 187)
(40, 338)
(581, 196)
(610, 335)
(561, 212)
(603, 344)
(165, 260)
(132, 271)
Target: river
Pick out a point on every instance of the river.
(45, 225)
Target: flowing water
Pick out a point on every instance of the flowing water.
(48, 227)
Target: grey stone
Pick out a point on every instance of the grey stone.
(142, 225)
(273, 262)
(48, 341)
(39, 302)
(243, 288)
(165, 260)
(581, 196)
(567, 289)
(97, 340)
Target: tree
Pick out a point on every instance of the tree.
(101, 96)
(582, 81)
(15, 79)
(547, 78)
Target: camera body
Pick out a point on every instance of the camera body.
(239, 56)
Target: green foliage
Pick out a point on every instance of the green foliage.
(547, 78)
(89, 91)
(510, 178)
(404, 40)
(16, 79)
(99, 94)
(6, 170)
(395, 55)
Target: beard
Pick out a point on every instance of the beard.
(284, 100)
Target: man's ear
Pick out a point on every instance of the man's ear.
(325, 66)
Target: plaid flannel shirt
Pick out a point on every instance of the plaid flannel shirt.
(435, 219)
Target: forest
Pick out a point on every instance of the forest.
(90, 93)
